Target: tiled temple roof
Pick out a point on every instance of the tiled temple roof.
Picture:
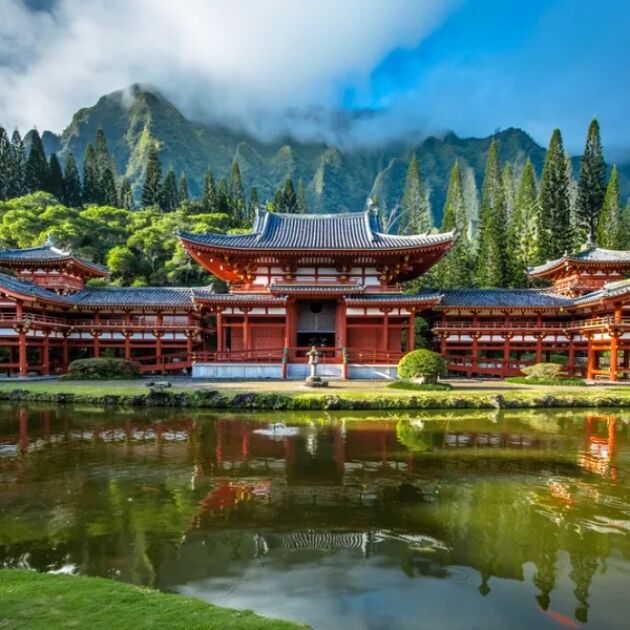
(137, 296)
(354, 231)
(610, 290)
(46, 254)
(590, 255)
(398, 298)
(511, 298)
(316, 287)
(27, 289)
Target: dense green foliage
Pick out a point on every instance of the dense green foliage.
(40, 601)
(427, 387)
(543, 370)
(421, 365)
(99, 368)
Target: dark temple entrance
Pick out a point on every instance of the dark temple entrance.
(316, 323)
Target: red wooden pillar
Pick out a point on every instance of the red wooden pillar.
(246, 337)
(342, 338)
(506, 355)
(385, 333)
(46, 355)
(127, 334)
(571, 363)
(65, 354)
(22, 361)
(591, 359)
(539, 340)
(159, 325)
(614, 346)
(411, 332)
(220, 341)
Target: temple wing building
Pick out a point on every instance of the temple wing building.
(296, 281)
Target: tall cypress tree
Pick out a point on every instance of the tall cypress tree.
(609, 223)
(592, 182)
(182, 191)
(492, 264)
(507, 177)
(253, 203)
(223, 201)
(91, 179)
(302, 206)
(522, 244)
(152, 178)
(103, 157)
(237, 194)
(168, 197)
(36, 169)
(19, 165)
(624, 228)
(209, 195)
(54, 183)
(71, 182)
(6, 165)
(554, 233)
(108, 192)
(415, 215)
(285, 199)
(126, 195)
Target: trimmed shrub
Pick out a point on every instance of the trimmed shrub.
(103, 368)
(422, 366)
(543, 371)
(527, 380)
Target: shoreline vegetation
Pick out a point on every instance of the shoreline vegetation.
(43, 600)
(295, 397)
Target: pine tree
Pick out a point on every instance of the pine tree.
(492, 263)
(507, 177)
(554, 232)
(209, 196)
(592, 182)
(108, 193)
(522, 244)
(182, 191)
(302, 206)
(456, 268)
(253, 204)
(415, 215)
(624, 228)
(103, 157)
(54, 181)
(19, 165)
(286, 198)
(6, 165)
(126, 195)
(237, 194)
(223, 204)
(71, 182)
(91, 180)
(36, 169)
(152, 178)
(168, 197)
(609, 223)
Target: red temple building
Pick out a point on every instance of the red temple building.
(333, 281)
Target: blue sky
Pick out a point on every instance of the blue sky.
(427, 66)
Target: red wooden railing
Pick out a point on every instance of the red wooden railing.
(513, 326)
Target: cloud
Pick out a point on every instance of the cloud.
(246, 61)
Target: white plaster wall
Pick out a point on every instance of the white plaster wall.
(237, 370)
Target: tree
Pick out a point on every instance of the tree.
(6, 165)
(19, 165)
(302, 206)
(209, 196)
(522, 243)
(54, 181)
(91, 179)
(182, 191)
(624, 228)
(492, 263)
(152, 178)
(592, 182)
(71, 182)
(554, 231)
(168, 198)
(36, 169)
(253, 203)
(108, 194)
(126, 195)
(237, 194)
(609, 222)
(507, 177)
(122, 263)
(285, 199)
(223, 201)
(415, 215)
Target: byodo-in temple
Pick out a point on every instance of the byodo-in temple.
(333, 281)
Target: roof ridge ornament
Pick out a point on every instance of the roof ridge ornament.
(590, 241)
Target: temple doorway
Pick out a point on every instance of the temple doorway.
(316, 323)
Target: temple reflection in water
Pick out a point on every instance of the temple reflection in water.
(183, 501)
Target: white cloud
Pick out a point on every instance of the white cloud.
(233, 59)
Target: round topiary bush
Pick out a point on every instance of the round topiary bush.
(422, 366)
(543, 370)
(103, 368)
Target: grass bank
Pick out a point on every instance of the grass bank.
(44, 601)
(276, 396)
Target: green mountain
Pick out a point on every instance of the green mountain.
(336, 179)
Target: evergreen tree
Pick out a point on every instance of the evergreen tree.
(54, 183)
(19, 165)
(253, 203)
(592, 182)
(152, 187)
(103, 157)
(554, 231)
(507, 177)
(182, 191)
(36, 169)
(302, 206)
(209, 196)
(624, 228)
(169, 192)
(6, 165)
(108, 194)
(71, 183)
(237, 194)
(609, 223)
(126, 195)
(91, 179)
(223, 198)
(492, 263)
(287, 199)
(415, 215)
(522, 244)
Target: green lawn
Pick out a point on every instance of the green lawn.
(43, 601)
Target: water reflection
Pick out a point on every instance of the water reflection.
(329, 521)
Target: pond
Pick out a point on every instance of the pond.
(421, 520)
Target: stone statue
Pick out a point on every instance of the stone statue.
(313, 360)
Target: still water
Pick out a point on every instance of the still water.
(431, 520)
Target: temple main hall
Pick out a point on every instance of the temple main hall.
(296, 281)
